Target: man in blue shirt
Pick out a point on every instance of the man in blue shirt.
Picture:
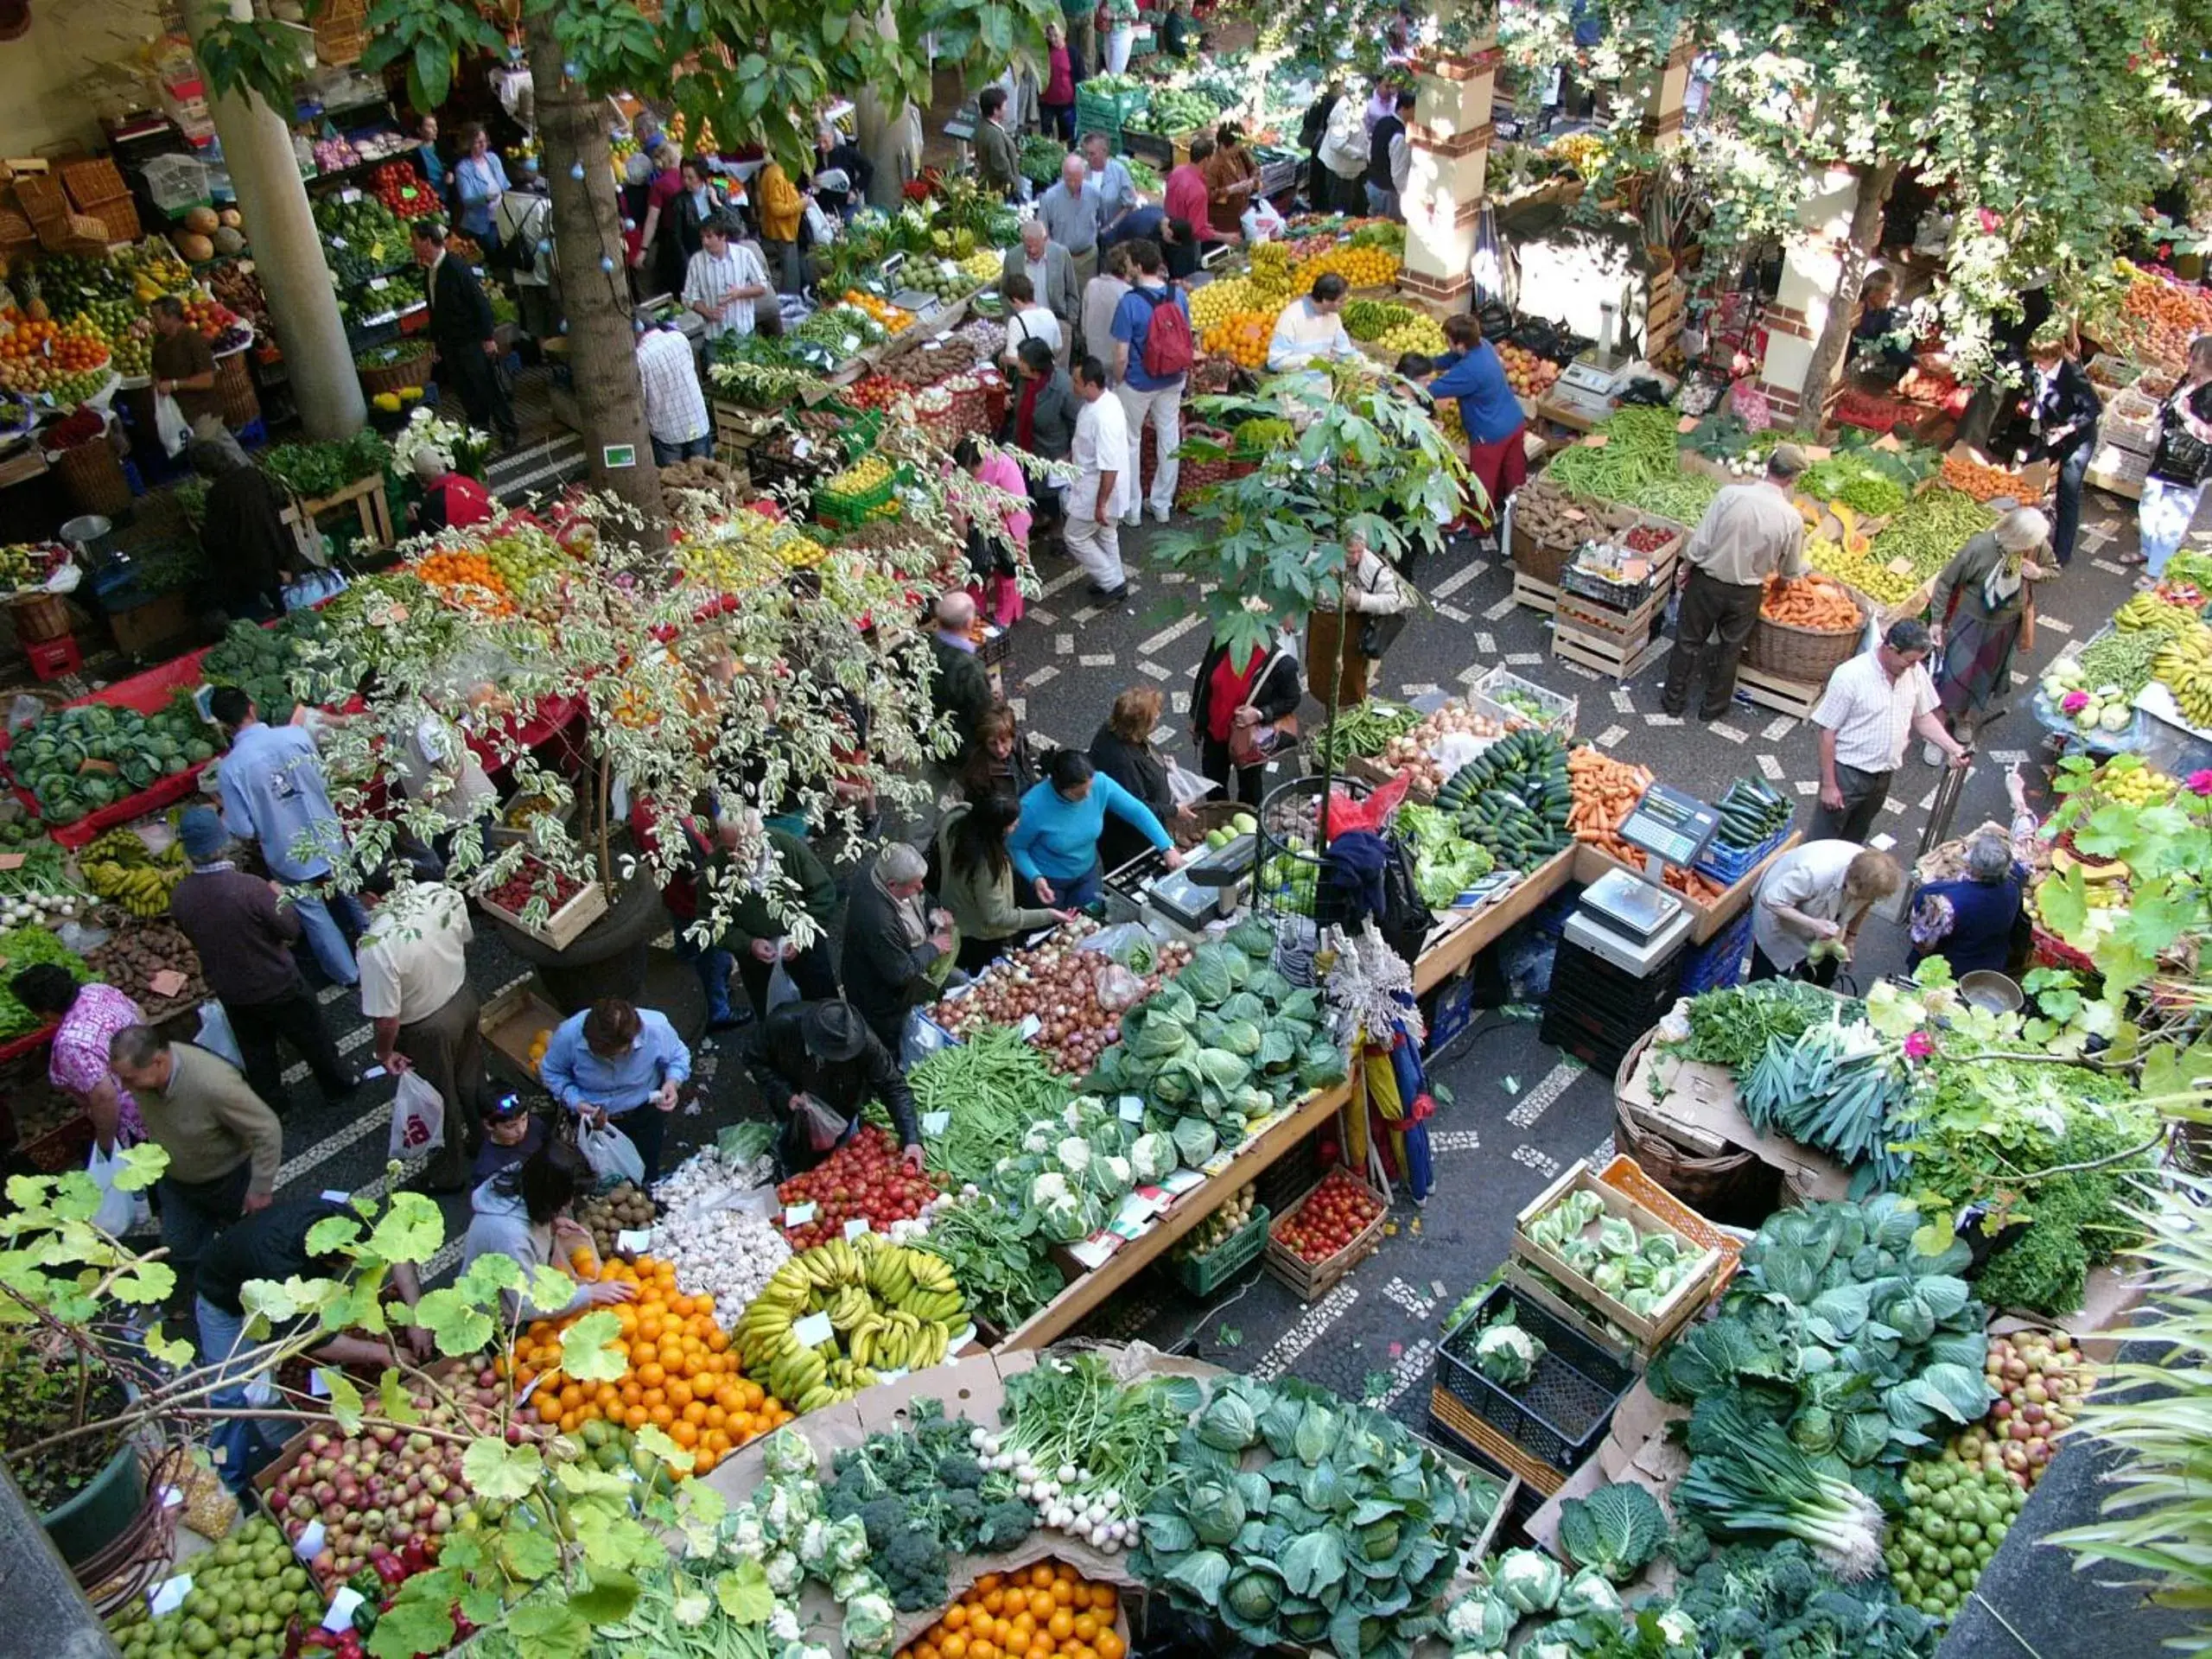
(1117, 192)
(1143, 392)
(273, 792)
(612, 1061)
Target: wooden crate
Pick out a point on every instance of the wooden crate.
(511, 1021)
(565, 925)
(1447, 1415)
(1650, 1331)
(1310, 1281)
(1772, 691)
(1537, 595)
(1607, 654)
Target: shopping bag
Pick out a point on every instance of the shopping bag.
(418, 1117)
(168, 420)
(119, 1211)
(780, 988)
(816, 1125)
(216, 1036)
(1188, 788)
(611, 1154)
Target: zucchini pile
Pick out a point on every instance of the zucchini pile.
(1750, 814)
(1513, 798)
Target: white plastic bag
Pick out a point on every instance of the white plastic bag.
(119, 1211)
(780, 988)
(216, 1036)
(168, 420)
(1188, 788)
(611, 1153)
(418, 1116)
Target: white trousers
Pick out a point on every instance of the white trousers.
(1095, 544)
(1166, 409)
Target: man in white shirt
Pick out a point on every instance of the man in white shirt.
(723, 280)
(415, 990)
(1311, 327)
(1872, 704)
(1104, 486)
(1344, 158)
(1029, 318)
(675, 409)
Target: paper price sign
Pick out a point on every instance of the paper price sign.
(856, 1226)
(814, 1330)
(377, 284)
(308, 1544)
(1132, 1109)
(1031, 1025)
(338, 1617)
(168, 1595)
(633, 1238)
(797, 1214)
(349, 196)
(936, 1124)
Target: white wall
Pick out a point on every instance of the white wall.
(68, 69)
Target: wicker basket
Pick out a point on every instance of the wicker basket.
(341, 32)
(40, 196)
(234, 387)
(90, 183)
(1803, 655)
(118, 219)
(17, 234)
(41, 617)
(79, 234)
(409, 373)
(1538, 561)
(93, 477)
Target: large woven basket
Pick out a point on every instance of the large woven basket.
(408, 373)
(234, 386)
(93, 477)
(1802, 656)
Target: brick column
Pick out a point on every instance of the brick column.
(1450, 139)
(1812, 263)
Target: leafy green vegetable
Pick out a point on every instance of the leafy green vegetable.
(1732, 1026)
(1505, 1353)
(1747, 1476)
(1617, 1529)
(1775, 1601)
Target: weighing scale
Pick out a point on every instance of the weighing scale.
(1634, 921)
(1587, 386)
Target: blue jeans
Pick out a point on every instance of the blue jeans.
(713, 966)
(240, 1444)
(1079, 892)
(667, 455)
(327, 934)
(2067, 525)
(1383, 204)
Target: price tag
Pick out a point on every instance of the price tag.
(11, 861)
(167, 983)
(332, 1195)
(1899, 567)
(168, 1595)
(348, 196)
(377, 284)
(850, 344)
(339, 1616)
(1818, 452)
(856, 1226)
(932, 345)
(1031, 1025)
(633, 1238)
(1132, 1109)
(936, 1124)
(308, 1544)
(380, 319)
(316, 1386)
(813, 1331)
(1597, 441)
(1686, 424)
(337, 241)
(802, 448)
(797, 1214)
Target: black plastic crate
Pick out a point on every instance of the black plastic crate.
(1562, 1413)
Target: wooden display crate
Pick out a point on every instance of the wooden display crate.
(1650, 1331)
(1615, 657)
(511, 1021)
(1310, 1281)
(565, 925)
(1784, 697)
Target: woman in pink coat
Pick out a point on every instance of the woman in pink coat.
(996, 556)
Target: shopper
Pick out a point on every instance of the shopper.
(272, 790)
(724, 280)
(997, 543)
(1184, 196)
(183, 364)
(1312, 327)
(1818, 892)
(1313, 127)
(834, 153)
(1109, 178)
(1153, 349)
(676, 407)
(1080, 18)
(1344, 152)
(479, 182)
(1101, 298)
(1179, 243)
(978, 882)
(1232, 179)
(1985, 609)
(2063, 408)
(2180, 462)
(463, 327)
(1123, 750)
(1121, 23)
(1040, 420)
(244, 938)
(1377, 602)
(527, 1213)
(779, 207)
(960, 692)
(1105, 485)
(1055, 103)
(658, 255)
(435, 173)
(1072, 211)
(619, 1064)
(997, 763)
(735, 892)
(86, 1016)
(225, 1145)
(679, 896)
(423, 1013)
(1390, 160)
(1872, 705)
(250, 550)
(1029, 318)
(1051, 275)
(1055, 844)
(1497, 432)
(451, 500)
(512, 1133)
(1750, 532)
(1974, 922)
(1239, 713)
(823, 1054)
(898, 944)
(997, 167)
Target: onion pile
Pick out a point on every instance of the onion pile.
(1095, 1520)
(2041, 1379)
(1059, 984)
(1414, 751)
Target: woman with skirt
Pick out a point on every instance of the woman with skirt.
(1983, 607)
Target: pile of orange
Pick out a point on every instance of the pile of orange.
(1040, 1610)
(683, 1376)
(1242, 339)
(466, 581)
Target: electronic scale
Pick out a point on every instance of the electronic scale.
(1634, 921)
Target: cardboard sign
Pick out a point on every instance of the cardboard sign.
(167, 983)
(813, 1331)
(1687, 425)
(857, 1225)
(11, 861)
(797, 1214)
(936, 1124)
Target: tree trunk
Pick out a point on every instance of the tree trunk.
(1874, 187)
(595, 289)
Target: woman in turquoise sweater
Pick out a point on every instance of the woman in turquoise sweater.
(1055, 845)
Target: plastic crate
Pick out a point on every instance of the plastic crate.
(1555, 1421)
(1625, 1175)
(1719, 961)
(2131, 421)
(1729, 865)
(1202, 1276)
(1558, 712)
(1107, 109)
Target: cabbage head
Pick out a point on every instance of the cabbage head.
(1195, 1140)
(1227, 1425)
(1216, 1508)
(1241, 1037)
(1251, 1599)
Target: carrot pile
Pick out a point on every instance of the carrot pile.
(1815, 602)
(1603, 793)
(1980, 479)
(1692, 885)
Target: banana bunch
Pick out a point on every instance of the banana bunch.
(2149, 610)
(117, 867)
(889, 1308)
(2185, 665)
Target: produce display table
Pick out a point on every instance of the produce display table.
(1454, 949)
(147, 694)
(1085, 1295)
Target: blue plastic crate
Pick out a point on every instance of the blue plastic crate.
(1455, 1012)
(1729, 865)
(1719, 961)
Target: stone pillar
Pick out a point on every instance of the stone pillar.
(288, 258)
(1664, 94)
(1450, 140)
(1812, 265)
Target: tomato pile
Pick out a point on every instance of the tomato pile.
(525, 884)
(862, 1181)
(400, 187)
(1333, 1216)
(877, 391)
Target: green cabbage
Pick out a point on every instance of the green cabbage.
(1228, 1424)
(1222, 1068)
(1195, 1140)
(1216, 1508)
(1242, 1039)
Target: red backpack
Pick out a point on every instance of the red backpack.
(1168, 348)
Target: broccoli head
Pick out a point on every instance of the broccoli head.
(886, 1521)
(959, 1472)
(1005, 1524)
(912, 1569)
(962, 1512)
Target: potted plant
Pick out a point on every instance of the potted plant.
(87, 1484)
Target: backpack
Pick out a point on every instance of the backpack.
(1168, 348)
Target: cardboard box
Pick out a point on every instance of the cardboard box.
(2100, 1325)
(511, 1021)
(1635, 1449)
(1696, 1104)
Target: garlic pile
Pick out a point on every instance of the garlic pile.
(727, 1254)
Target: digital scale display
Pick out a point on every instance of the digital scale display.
(1671, 826)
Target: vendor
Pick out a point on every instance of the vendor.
(1312, 327)
(1232, 178)
(183, 364)
(527, 1213)
(822, 1055)
(1817, 893)
(1874, 342)
(1972, 921)
(1055, 846)
(451, 500)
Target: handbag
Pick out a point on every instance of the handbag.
(1378, 634)
(1253, 745)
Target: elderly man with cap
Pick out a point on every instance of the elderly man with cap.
(244, 933)
(822, 1055)
(1750, 532)
(416, 992)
